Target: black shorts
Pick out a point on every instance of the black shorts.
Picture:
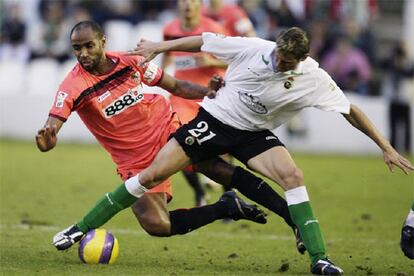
(205, 137)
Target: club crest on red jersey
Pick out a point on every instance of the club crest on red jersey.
(60, 99)
(136, 77)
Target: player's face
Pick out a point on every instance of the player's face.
(285, 62)
(88, 48)
(189, 8)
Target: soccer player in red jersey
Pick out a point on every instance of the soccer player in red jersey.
(233, 18)
(195, 67)
(105, 89)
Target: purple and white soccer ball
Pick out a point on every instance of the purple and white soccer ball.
(98, 246)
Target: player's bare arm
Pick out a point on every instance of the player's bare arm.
(167, 60)
(185, 89)
(209, 61)
(46, 138)
(392, 158)
(149, 49)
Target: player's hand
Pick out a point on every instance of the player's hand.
(146, 49)
(216, 82)
(46, 138)
(392, 158)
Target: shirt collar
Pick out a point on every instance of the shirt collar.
(297, 71)
(273, 59)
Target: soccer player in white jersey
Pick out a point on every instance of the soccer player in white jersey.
(407, 235)
(266, 84)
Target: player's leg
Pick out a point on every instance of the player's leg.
(407, 234)
(250, 186)
(246, 183)
(152, 214)
(169, 160)
(406, 122)
(186, 111)
(229, 160)
(393, 121)
(194, 182)
(126, 194)
(106, 207)
(277, 164)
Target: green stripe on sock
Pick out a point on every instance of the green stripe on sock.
(304, 219)
(107, 207)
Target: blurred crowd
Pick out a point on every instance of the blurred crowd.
(340, 31)
(342, 37)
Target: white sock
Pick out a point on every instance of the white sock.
(410, 219)
(296, 195)
(134, 187)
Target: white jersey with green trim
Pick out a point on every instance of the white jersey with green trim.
(255, 96)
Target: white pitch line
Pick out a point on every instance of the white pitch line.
(227, 235)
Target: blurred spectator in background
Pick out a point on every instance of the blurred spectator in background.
(99, 13)
(348, 66)
(80, 13)
(231, 17)
(257, 15)
(13, 44)
(318, 39)
(126, 10)
(152, 8)
(49, 37)
(283, 14)
(398, 68)
(361, 38)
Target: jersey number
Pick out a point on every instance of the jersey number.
(200, 132)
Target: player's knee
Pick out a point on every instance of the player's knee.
(151, 177)
(293, 179)
(156, 226)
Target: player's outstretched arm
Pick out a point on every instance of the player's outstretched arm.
(392, 158)
(149, 49)
(46, 138)
(188, 90)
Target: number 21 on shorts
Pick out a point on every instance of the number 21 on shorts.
(201, 133)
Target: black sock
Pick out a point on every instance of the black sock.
(194, 182)
(259, 191)
(187, 220)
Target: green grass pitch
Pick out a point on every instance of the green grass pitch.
(360, 206)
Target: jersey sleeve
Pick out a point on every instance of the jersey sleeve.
(330, 96)
(151, 73)
(228, 48)
(64, 101)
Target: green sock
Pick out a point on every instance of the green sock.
(308, 225)
(107, 207)
(301, 213)
(412, 207)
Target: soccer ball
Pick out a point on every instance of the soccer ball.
(98, 246)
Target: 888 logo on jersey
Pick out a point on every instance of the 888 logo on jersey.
(130, 98)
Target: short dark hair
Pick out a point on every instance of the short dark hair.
(294, 42)
(88, 24)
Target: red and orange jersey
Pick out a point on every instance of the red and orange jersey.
(131, 125)
(186, 67)
(233, 18)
